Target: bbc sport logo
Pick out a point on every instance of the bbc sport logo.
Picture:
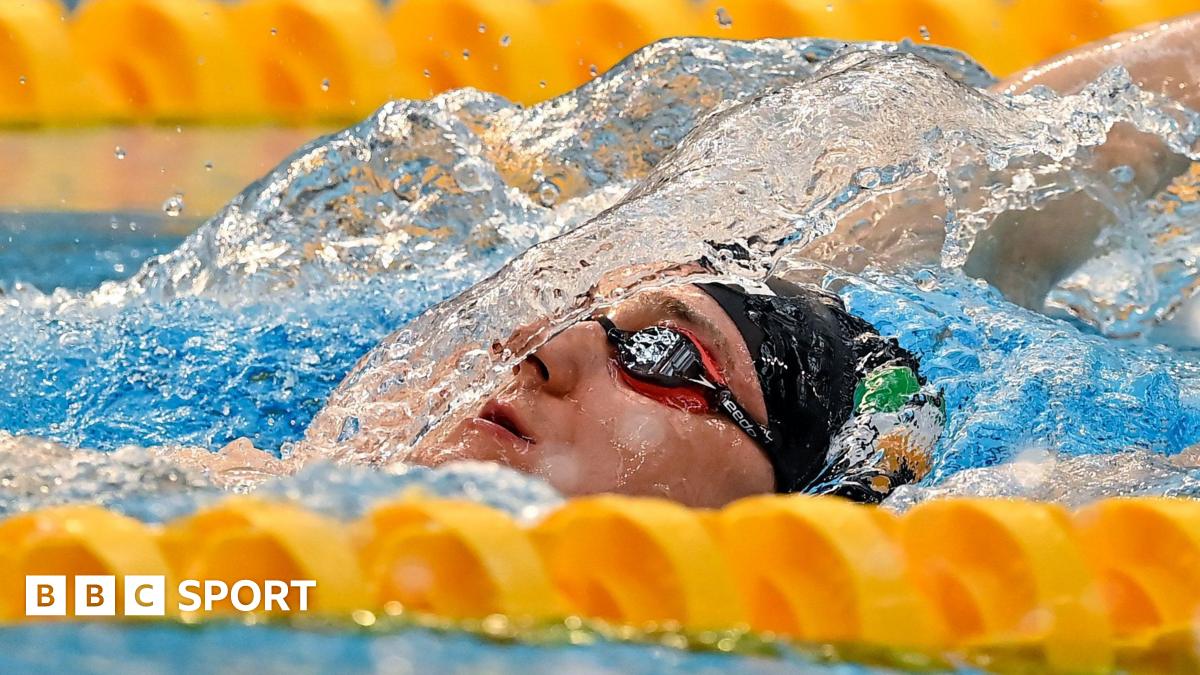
(146, 595)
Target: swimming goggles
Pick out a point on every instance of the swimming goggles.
(667, 357)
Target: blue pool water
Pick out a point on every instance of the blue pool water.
(78, 251)
(188, 371)
(234, 649)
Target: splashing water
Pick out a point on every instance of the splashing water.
(750, 185)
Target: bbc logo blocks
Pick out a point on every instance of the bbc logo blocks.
(95, 595)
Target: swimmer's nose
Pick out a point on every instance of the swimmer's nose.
(558, 365)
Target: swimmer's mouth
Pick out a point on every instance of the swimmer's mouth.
(504, 417)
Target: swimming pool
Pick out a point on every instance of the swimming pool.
(246, 327)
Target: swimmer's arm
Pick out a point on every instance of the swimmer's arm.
(1026, 253)
(1162, 58)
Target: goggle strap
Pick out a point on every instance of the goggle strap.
(741, 416)
(610, 329)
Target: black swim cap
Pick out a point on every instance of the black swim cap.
(810, 355)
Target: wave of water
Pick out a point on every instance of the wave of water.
(694, 156)
(769, 180)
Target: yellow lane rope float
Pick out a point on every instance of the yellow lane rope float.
(306, 61)
(1010, 579)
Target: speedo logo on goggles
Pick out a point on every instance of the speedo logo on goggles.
(752, 428)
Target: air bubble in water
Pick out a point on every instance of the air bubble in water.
(593, 70)
(723, 18)
(426, 73)
(466, 54)
(924, 30)
(21, 80)
(274, 31)
(208, 166)
(482, 28)
(325, 84)
(173, 206)
(548, 194)
(505, 40)
(119, 152)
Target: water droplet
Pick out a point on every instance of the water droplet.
(1122, 174)
(466, 54)
(548, 194)
(924, 31)
(723, 18)
(1023, 180)
(482, 28)
(21, 80)
(471, 174)
(505, 40)
(593, 70)
(350, 427)
(173, 206)
(325, 84)
(867, 178)
(208, 166)
(73, 339)
(119, 152)
(662, 137)
(926, 280)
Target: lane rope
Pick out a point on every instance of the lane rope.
(1076, 591)
(334, 61)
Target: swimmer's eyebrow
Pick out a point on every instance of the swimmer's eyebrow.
(678, 309)
(710, 335)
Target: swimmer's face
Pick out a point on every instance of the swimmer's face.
(572, 417)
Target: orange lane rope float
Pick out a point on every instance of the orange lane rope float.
(1107, 585)
(313, 61)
